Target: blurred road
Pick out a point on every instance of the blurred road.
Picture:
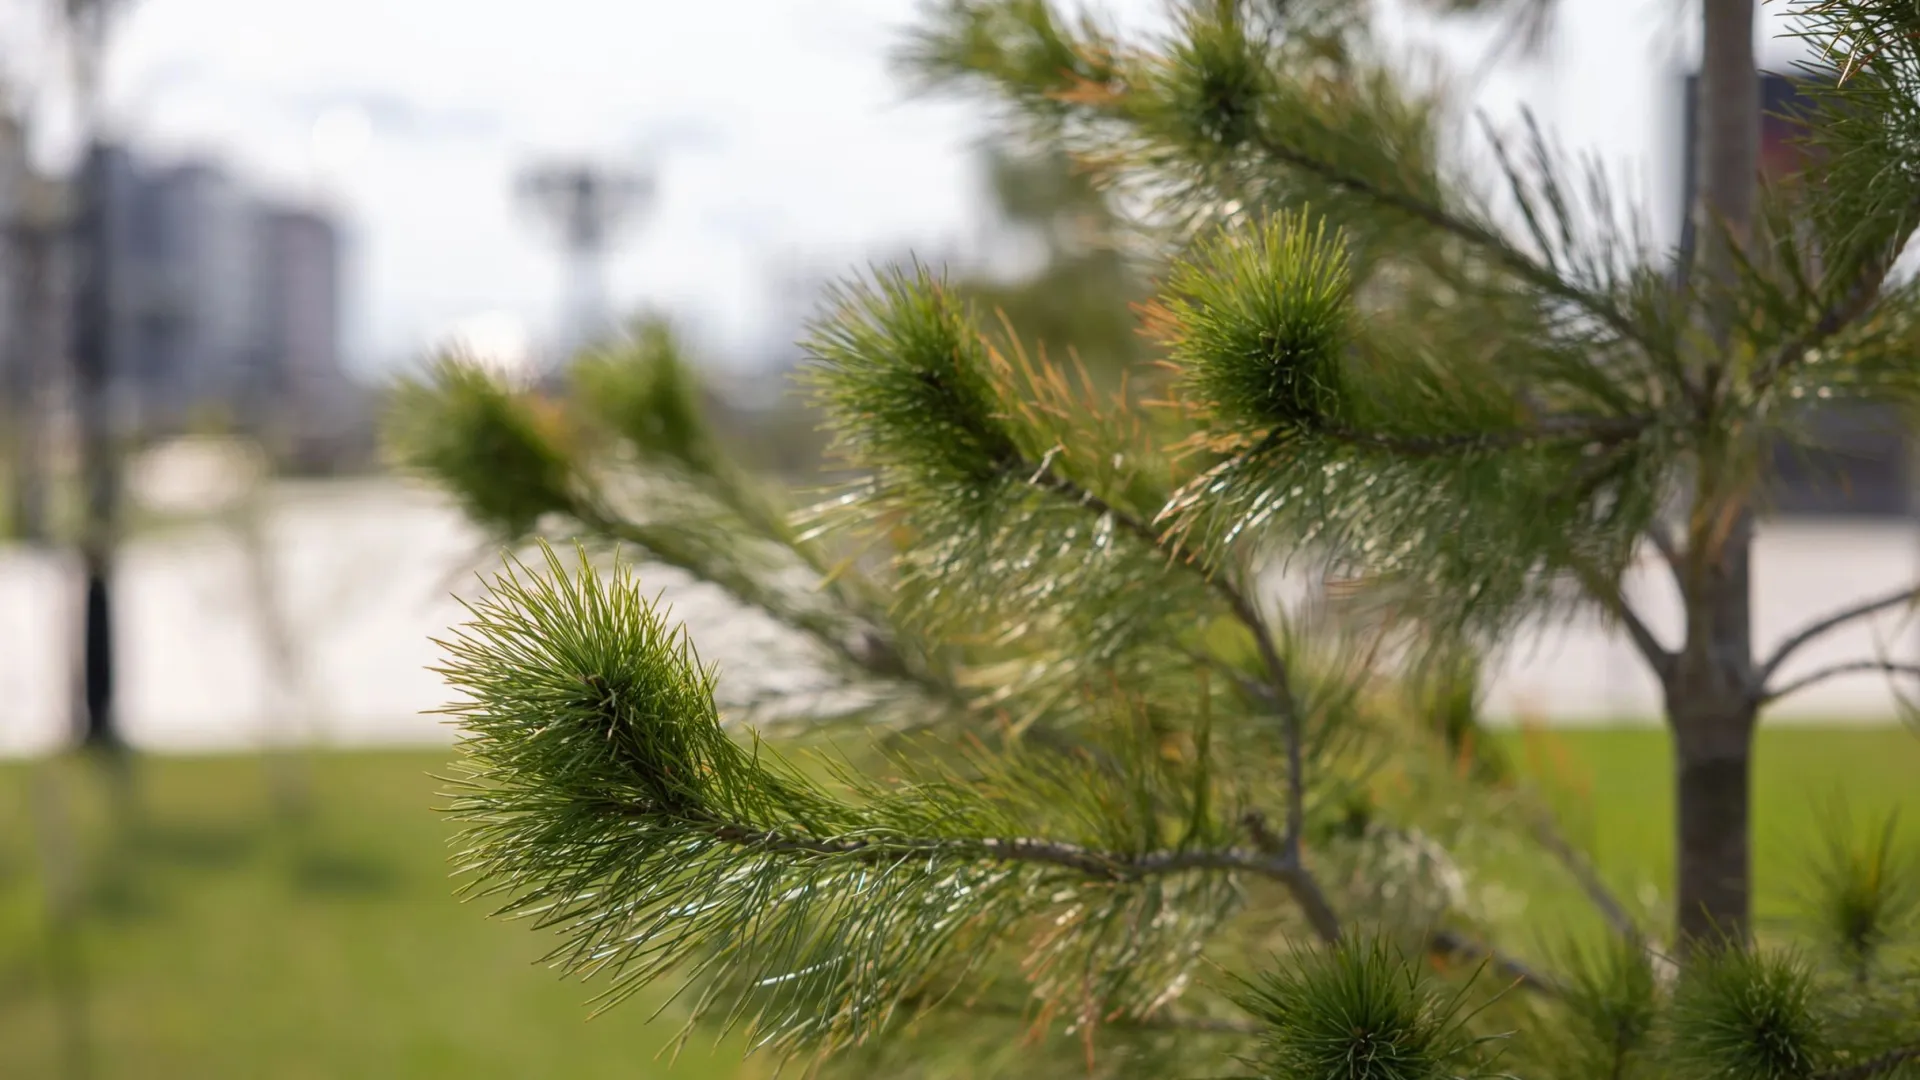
(362, 575)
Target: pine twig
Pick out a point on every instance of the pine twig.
(1589, 880)
(1768, 697)
(1091, 863)
(1867, 609)
(1835, 318)
(854, 638)
(1455, 944)
(1046, 479)
(1479, 236)
(1302, 884)
(1608, 595)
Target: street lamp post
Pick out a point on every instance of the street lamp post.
(94, 325)
(583, 204)
(94, 314)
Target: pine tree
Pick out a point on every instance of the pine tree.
(1088, 781)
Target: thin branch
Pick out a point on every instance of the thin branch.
(1866, 609)
(1588, 878)
(1303, 885)
(853, 637)
(1198, 1025)
(1608, 595)
(1874, 1066)
(1767, 697)
(1091, 863)
(1837, 317)
(1454, 944)
(1665, 544)
(1479, 236)
(1046, 479)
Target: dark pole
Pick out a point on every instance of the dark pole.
(93, 347)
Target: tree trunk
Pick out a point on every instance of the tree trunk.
(1713, 768)
(1729, 134)
(1712, 710)
(1711, 705)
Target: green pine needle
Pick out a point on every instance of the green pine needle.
(1861, 894)
(1214, 82)
(644, 391)
(1259, 320)
(604, 801)
(900, 369)
(466, 429)
(1361, 1011)
(1740, 1014)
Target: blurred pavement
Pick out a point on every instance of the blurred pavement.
(366, 574)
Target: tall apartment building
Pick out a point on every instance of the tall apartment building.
(229, 305)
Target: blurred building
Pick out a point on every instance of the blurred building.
(228, 308)
(33, 331)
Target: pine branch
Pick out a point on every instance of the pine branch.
(1479, 236)
(605, 800)
(1452, 943)
(1610, 598)
(1110, 866)
(1837, 316)
(1589, 880)
(1300, 882)
(1304, 886)
(1223, 118)
(855, 639)
(1768, 697)
(496, 450)
(1280, 679)
(1864, 610)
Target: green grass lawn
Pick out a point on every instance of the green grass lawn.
(226, 942)
(1615, 794)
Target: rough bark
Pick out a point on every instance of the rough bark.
(1710, 703)
(1712, 711)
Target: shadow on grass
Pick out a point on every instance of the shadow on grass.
(199, 847)
(169, 861)
(321, 871)
(129, 879)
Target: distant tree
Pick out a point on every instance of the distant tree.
(1116, 795)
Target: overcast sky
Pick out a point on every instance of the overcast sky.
(781, 141)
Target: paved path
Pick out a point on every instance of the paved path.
(366, 574)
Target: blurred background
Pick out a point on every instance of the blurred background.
(227, 227)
